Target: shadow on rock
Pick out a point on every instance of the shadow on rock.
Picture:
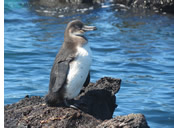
(98, 103)
(98, 99)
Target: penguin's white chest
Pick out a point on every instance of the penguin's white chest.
(78, 72)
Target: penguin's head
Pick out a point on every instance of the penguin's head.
(76, 28)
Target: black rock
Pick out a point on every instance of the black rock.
(156, 5)
(128, 121)
(96, 104)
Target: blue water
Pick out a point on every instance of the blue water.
(137, 48)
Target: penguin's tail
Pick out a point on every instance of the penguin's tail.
(52, 99)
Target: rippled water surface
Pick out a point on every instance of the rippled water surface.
(137, 48)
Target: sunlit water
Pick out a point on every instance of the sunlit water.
(139, 49)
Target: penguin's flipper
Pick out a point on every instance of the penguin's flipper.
(63, 68)
(87, 80)
(58, 78)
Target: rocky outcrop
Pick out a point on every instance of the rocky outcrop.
(96, 105)
(156, 5)
(34, 113)
(128, 121)
(54, 3)
(61, 8)
(51, 7)
(60, 4)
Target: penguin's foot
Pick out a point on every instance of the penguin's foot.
(74, 107)
(69, 105)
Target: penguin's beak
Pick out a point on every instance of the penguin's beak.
(88, 28)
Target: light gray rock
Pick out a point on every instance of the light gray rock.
(128, 121)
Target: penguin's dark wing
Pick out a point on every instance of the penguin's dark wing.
(87, 80)
(59, 71)
(61, 75)
(58, 75)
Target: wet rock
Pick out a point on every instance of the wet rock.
(156, 5)
(61, 8)
(96, 105)
(128, 121)
(53, 3)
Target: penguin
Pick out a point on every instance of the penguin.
(71, 69)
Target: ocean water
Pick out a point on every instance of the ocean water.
(135, 47)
